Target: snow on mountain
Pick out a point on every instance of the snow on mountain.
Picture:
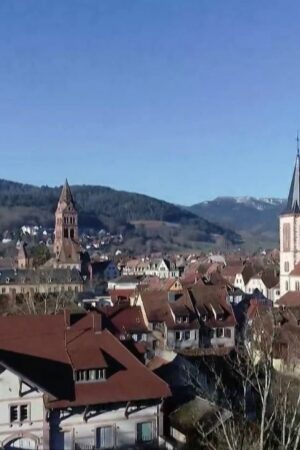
(258, 203)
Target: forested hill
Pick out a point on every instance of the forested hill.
(104, 207)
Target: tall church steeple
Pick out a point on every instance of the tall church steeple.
(293, 203)
(66, 243)
(290, 231)
(66, 194)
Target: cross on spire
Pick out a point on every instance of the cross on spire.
(298, 140)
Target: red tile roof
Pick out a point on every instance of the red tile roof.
(231, 271)
(129, 319)
(82, 345)
(132, 382)
(296, 271)
(289, 299)
(157, 307)
(211, 301)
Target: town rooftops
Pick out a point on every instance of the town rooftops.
(47, 351)
(127, 319)
(211, 302)
(291, 299)
(128, 279)
(39, 276)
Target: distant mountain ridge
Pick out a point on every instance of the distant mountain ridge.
(116, 211)
(254, 218)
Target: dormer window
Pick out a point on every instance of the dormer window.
(7, 280)
(182, 319)
(204, 317)
(90, 375)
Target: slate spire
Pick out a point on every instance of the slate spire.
(293, 204)
(66, 194)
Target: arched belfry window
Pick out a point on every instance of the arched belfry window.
(286, 237)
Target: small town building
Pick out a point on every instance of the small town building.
(66, 382)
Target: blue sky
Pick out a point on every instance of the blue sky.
(184, 100)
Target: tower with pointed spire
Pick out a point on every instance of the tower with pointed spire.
(66, 242)
(290, 234)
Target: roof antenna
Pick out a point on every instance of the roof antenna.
(298, 150)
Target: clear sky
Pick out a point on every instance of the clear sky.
(184, 100)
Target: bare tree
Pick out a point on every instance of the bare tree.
(257, 406)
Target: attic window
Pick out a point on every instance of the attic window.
(90, 375)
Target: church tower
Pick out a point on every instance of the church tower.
(66, 242)
(290, 231)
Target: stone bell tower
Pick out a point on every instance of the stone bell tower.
(66, 242)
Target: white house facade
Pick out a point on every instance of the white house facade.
(23, 418)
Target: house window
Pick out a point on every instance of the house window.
(286, 266)
(18, 413)
(91, 375)
(227, 332)
(144, 432)
(286, 285)
(137, 337)
(220, 332)
(23, 413)
(297, 286)
(178, 336)
(3, 290)
(105, 437)
(66, 232)
(14, 413)
(187, 335)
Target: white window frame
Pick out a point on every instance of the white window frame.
(18, 406)
(152, 432)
